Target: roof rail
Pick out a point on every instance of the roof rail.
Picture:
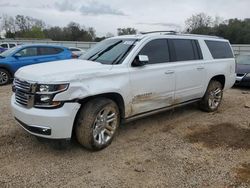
(180, 34)
(165, 32)
(198, 35)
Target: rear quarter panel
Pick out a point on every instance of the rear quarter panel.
(215, 67)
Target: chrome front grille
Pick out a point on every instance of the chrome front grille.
(24, 93)
(21, 97)
(22, 85)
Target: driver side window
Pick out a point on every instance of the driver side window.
(27, 52)
(157, 51)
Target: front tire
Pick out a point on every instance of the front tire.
(97, 123)
(213, 97)
(4, 77)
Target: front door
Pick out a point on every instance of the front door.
(152, 85)
(26, 56)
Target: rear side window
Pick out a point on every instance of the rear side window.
(186, 50)
(74, 50)
(12, 45)
(219, 49)
(49, 50)
(157, 51)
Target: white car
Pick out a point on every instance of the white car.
(8, 45)
(77, 52)
(118, 80)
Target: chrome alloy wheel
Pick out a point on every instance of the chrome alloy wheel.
(105, 125)
(215, 97)
(3, 78)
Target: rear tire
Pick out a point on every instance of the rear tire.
(4, 77)
(213, 97)
(97, 123)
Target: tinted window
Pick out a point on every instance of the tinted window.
(12, 45)
(28, 52)
(74, 50)
(157, 51)
(186, 50)
(49, 50)
(4, 45)
(219, 50)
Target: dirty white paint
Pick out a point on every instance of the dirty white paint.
(144, 88)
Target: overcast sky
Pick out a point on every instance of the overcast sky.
(108, 15)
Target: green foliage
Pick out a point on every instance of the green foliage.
(34, 32)
(235, 30)
(126, 31)
(28, 27)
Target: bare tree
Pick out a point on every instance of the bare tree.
(196, 21)
(8, 23)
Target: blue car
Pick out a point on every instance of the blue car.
(15, 58)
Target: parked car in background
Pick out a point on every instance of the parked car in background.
(8, 45)
(23, 55)
(243, 70)
(76, 52)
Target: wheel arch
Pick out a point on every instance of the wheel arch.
(116, 97)
(220, 78)
(7, 69)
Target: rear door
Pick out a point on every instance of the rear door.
(152, 86)
(47, 54)
(190, 69)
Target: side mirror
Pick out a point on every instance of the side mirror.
(140, 60)
(17, 55)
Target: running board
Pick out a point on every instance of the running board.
(139, 116)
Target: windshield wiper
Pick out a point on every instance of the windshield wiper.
(122, 55)
(104, 51)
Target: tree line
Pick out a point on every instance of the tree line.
(237, 31)
(28, 27)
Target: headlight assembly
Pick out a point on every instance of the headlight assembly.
(51, 88)
(45, 94)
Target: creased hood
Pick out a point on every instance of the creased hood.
(61, 71)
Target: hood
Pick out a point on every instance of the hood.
(242, 68)
(61, 71)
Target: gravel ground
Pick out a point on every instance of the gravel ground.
(180, 148)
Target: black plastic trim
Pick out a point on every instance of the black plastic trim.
(35, 130)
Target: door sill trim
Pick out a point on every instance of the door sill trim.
(152, 112)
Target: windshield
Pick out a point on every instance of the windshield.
(243, 59)
(110, 51)
(8, 52)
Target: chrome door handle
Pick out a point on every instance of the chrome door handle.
(169, 72)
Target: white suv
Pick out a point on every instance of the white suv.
(121, 79)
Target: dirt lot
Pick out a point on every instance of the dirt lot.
(180, 148)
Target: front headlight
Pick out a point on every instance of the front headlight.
(51, 88)
(45, 94)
